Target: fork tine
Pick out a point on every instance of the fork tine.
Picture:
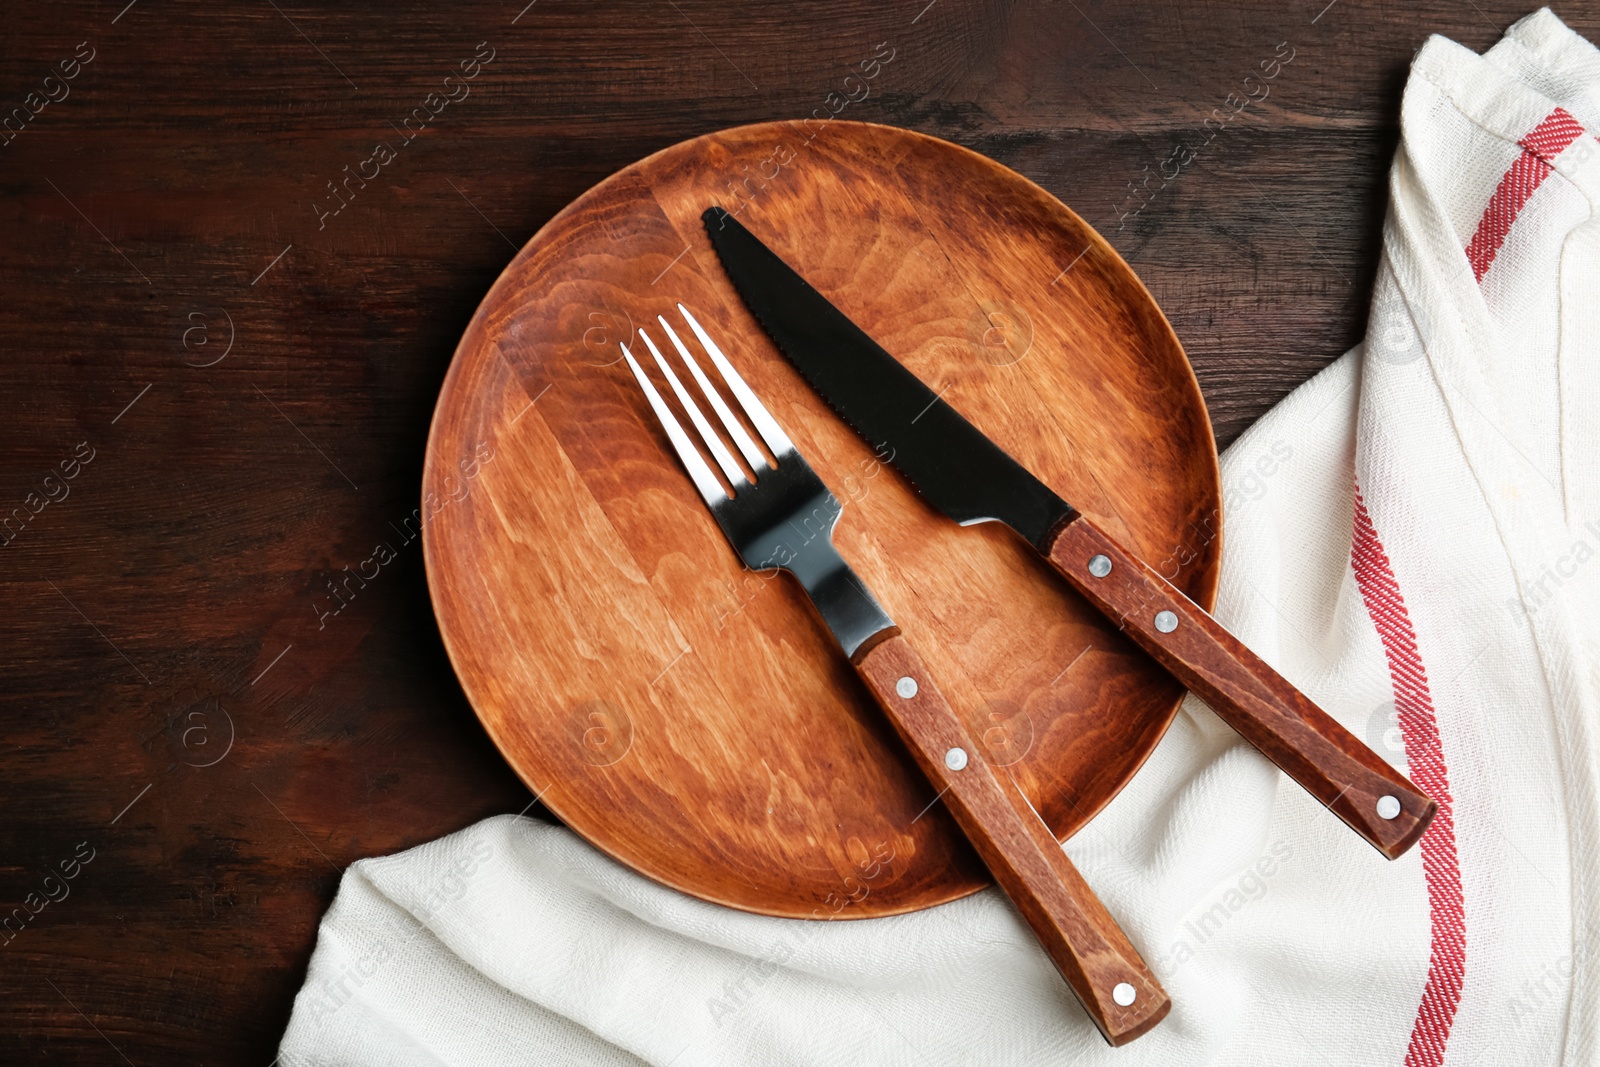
(764, 423)
(719, 451)
(710, 489)
(752, 454)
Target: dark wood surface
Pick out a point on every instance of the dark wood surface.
(149, 606)
(695, 719)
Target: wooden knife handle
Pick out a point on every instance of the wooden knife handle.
(1103, 969)
(1351, 780)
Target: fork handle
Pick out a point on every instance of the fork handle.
(1309, 745)
(1092, 953)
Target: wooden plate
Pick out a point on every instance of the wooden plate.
(693, 719)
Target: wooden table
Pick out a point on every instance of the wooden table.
(226, 319)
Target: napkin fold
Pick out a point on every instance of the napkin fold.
(1410, 539)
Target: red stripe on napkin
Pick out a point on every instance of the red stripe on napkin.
(1441, 868)
(1447, 958)
(1532, 166)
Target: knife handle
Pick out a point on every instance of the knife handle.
(1103, 969)
(1351, 780)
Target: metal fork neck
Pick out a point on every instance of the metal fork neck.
(842, 598)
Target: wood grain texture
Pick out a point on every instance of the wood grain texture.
(201, 538)
(1079, 935)
(692, 718)
(1305, 742)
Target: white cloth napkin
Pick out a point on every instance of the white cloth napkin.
(1411, 539)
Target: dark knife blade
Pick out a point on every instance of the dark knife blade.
(952, 464)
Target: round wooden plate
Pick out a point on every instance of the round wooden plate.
(694, 719)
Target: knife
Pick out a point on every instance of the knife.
(969, 478)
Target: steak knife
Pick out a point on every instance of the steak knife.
(969, 478)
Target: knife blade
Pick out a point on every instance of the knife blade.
(963, 474)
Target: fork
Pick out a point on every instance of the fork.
(782, 516)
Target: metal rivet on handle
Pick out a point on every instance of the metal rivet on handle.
(1124, 994)
(1166, 621)
(956, 759)
(1099, 566)
(1388, 807)
(906, 687)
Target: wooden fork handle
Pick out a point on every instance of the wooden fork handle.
(1355, 783)
(1103, 969)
